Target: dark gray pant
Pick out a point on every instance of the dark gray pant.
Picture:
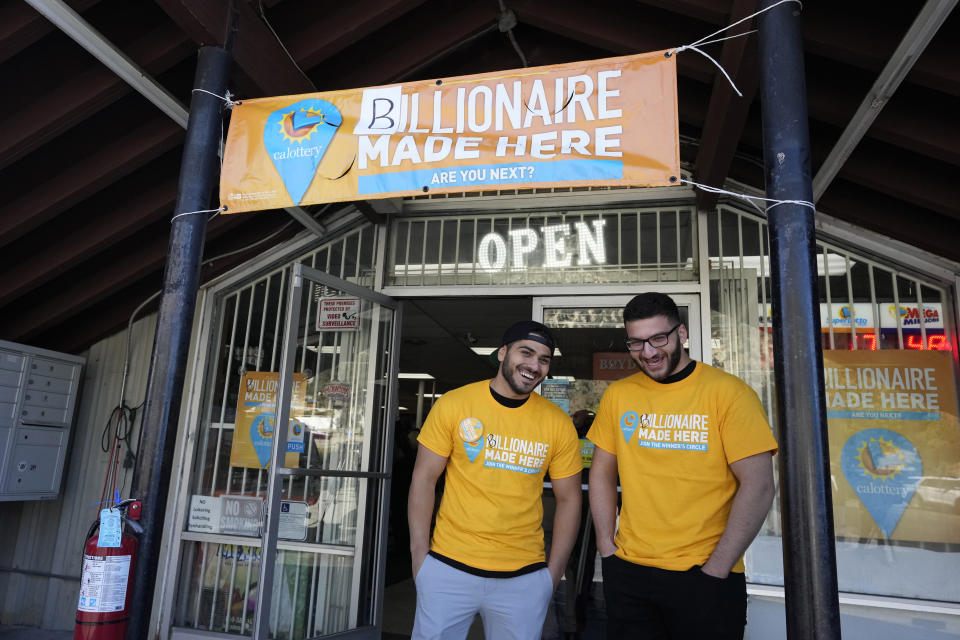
(655, 604)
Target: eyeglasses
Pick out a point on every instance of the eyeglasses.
(656, 340)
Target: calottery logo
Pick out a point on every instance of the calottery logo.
(514, 454)
(685, 431)
(471, 432)
(296, 137)
(883, 469)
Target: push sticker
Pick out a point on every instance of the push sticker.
(883, 469)
(471, 432)
(296, 137)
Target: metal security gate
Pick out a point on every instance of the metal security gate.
(352, 471)
(296, 542)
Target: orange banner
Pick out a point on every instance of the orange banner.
(610, 122)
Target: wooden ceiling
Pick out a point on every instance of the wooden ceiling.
(88, 166)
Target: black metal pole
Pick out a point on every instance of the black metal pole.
(809, 555)
(161, 412)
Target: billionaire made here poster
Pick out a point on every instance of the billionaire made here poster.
(256, 421)
(609, 122)
(894, 445)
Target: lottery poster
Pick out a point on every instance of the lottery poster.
(894, 445)
(256, 418)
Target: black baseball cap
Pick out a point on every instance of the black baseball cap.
(529, 330)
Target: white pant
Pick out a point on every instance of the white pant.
(448, 599)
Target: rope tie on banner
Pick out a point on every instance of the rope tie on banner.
(190, 213)
(229, 103)
(228, 100)
(750, 199)
(694, 46)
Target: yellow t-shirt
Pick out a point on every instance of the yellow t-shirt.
(492, 508)
(674, 444)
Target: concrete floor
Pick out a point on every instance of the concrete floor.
(400, 599)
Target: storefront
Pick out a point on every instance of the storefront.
(384, 318)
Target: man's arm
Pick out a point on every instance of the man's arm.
(750, 506)
(566, 521)
(420, 502)
(603, 499)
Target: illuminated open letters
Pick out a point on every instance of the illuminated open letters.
(556, 246)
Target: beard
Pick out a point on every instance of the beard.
(673, 359)
(510, 374)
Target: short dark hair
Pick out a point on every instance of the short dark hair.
(529, 330)
(648, 305)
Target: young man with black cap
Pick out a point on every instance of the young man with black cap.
(692, 448)
(496, 440)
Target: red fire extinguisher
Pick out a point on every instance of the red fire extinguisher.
(103, 605)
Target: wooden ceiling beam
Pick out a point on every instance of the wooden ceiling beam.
(404, 55)
(84, 176)
(925, 127)
(713, 12)
(81, 329)
(68, 104)
(256, 50)
(21, 25)
(852, 37)
(898, 219)
(622, 31)
(139, 261)
(111, 316)
(836, 36)
(109, 227)
(925, 131)
(727, 112)
(905, 177)
(344, 24)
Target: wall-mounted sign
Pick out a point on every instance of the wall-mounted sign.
(337, 393)
(204, 514)
(256, 417)
(338, 314)
(606, 122)
(910, 316)
(613, 365)
(292, 520)
(880, 320)
(240, 515)
(844, 316)
(864, 316)
(894, 443)
(557, 391)
(231, 514)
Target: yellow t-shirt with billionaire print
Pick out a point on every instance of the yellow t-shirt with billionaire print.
(674, 444)
(492, 508)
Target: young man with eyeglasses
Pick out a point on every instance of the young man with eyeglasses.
(495, 440)
(692, 448)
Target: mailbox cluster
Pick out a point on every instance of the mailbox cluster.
(38, 397)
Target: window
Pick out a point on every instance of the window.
(889, 373)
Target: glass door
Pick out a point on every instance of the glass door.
(324, 531)
(589, 330)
